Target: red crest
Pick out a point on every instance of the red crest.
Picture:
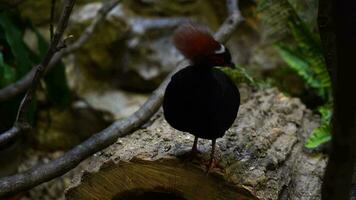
(194, 42)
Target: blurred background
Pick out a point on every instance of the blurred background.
(128, 55)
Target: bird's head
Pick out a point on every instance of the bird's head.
(199, 46)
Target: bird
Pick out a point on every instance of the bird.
(201, 99)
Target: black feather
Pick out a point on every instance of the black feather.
(201, 101)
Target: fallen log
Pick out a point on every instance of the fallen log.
(261, 157)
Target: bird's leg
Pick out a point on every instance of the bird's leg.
(211, 162)
(194, 153)
(195, 146)
(213, 144)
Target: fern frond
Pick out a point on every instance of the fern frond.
(321, 134)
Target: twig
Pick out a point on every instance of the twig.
(21, 119)
(24, 83)
(232, 6)
(231, 22)
(41, 68)
(101, 140)
(51, 26)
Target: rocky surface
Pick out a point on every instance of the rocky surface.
(262, 152)
(61, 129)
(136, 52)
(53, 189)
(36, 11)
(143, 29)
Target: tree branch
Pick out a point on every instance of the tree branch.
(106, 137)
(23, 84)
(39, 70)
(51, 26)
(232, 6)
(231, 22)
(21, 119)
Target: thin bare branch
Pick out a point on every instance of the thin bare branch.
(21, 119)
(232, 6)
(42, 67)
(231, 22)
(9, 135)
(103, 139)
(23, 84)
(51, 26)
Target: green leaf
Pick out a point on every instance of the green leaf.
(310, 47)
(19, 50)
(57, 86)
(306, 58)
(298, 64)
(15, 61)
(325, 112)
(7, 74)
(319, 136)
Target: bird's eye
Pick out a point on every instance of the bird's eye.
(221, 50)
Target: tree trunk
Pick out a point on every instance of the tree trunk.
(260, 157)
(337, 29)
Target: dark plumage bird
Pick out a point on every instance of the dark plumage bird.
(201, 99)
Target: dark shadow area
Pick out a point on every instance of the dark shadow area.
(143, 194)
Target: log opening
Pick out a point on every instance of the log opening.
(260, 157)
(143, 194)
(166, 178)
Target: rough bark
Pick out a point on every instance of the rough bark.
(261, 157)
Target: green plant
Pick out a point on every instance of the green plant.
(305, 57)
(321, 134)
(17, 59)
(238, 75)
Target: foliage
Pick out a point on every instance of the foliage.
(321, 134)
(305, 57)
(238, 75)
(7, 74)
(13, 36)
(17, 59)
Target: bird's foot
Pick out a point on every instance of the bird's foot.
(213, 165)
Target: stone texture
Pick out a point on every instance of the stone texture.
(262, 152)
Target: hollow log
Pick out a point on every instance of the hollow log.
(260, 157)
